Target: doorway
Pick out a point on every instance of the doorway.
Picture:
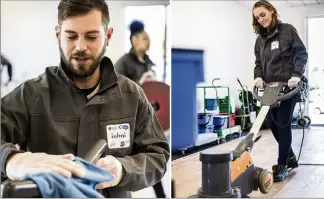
(315, 46)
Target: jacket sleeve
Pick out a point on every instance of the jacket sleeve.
(14, 123)
(151, 151)
(300, 54)
(258, 68)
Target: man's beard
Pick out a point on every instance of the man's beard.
(83, 70)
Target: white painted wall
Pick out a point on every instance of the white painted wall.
(223, 29)
(297, 17)
(28, 35)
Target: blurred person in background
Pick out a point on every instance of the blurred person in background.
(6, 62)
(136, 64)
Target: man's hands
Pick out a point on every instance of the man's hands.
(258, 82)
(21, 164)
(112, 165)
(293, 82)
(146, 77)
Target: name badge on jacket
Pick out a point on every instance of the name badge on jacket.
(118, 136)
(274, 45)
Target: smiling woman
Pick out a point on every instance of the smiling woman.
(265, 17)
(280, 56)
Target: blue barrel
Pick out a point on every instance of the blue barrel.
(187, 71)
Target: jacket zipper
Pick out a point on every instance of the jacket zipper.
(263, 53)
(264, 60)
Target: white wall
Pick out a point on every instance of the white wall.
(28, 34)
(297, 17)
(223, 29)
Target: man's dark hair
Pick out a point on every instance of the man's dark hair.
(71, 8)
(258, 29)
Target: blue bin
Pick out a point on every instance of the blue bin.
(206, 129)
(220, 122)
(204, 118)
(210, 104)
(205, 121)
(187, 71)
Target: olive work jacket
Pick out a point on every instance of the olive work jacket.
(49, 114)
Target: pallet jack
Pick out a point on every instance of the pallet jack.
(232, 173)
(29, 189)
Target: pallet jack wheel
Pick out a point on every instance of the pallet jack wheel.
(265, 181)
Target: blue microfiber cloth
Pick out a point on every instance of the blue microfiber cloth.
(52, 185)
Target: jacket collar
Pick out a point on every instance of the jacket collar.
(108, 79)
(108, 76)
(275, 31)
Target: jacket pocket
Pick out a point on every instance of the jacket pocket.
(119, 134)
